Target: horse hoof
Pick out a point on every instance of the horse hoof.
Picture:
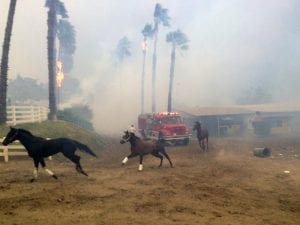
(140, 168)
(32, 180)
(55, 177)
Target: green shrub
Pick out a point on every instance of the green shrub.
(80, 115)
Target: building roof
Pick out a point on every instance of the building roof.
(291, 106)
(280, 107)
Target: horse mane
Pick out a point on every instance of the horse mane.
(138, 138)
(28, 133)
(135, 139)
(25, 131)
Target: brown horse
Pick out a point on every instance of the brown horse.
(202, 135)
(141, 148)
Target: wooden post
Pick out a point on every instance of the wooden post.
(17, 146)
(39, 114)
(32, 113)
(13, 114)
(5, 153)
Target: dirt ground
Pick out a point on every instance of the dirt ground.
(227, 185)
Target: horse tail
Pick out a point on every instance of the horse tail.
(85, 148)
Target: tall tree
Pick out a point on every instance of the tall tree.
(4, 60)
(178, 40)
(25, 88)
(55, 7)
(66, 49)
(122, 50)
(147, 33)
(67, 43)
(160, 16)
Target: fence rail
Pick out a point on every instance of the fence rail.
(17, 114)
(15, 149)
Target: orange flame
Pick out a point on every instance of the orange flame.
(59, 73)
(144, 45)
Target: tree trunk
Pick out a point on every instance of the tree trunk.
(52, 22)
(172, 69)
(143, 77)
(154, 68)
(4, 61)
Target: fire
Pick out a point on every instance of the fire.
(59, 73)
(144, 45)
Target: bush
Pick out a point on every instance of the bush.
(79, 115)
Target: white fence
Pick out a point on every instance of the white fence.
(17, 114)
(15, 149)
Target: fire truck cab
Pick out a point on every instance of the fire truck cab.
(164, 125)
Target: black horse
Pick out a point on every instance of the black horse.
(202, 135)
(38, 148)
(141, 148)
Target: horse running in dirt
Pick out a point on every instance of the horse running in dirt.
(141, 148)
(38, 148)
(202, 135)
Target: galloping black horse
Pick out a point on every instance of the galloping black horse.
(38, 148)
(202, 135)
(141, 148)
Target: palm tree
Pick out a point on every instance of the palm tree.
(160, 16)
(55, 7)
(67, 43)
(147, 33)
(178, 40)
(4, 61)
(66, 49)
(122, 50)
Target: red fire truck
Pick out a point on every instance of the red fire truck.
(164, 125)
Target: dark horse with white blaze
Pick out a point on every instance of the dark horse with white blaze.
(141, 148)
(202, 135)
(38, 148)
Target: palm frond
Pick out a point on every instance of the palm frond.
(66, 36)
(123, 49)
(59, 7)
(148, 31)
(161, 15)
(178, 38)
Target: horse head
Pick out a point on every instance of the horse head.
(11, 136)
(126, 137)
(197, 125)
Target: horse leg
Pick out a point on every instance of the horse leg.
(46, 169)
(76, 159)
(206, 143)
(203, 144)
(78, 165)
(156, 154)
(167, 156)
(141, 162)
(35, 170)
(128, 157)
(200, 142)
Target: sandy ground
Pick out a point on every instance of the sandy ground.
(226, 185)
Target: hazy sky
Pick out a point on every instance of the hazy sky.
(234, 45)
